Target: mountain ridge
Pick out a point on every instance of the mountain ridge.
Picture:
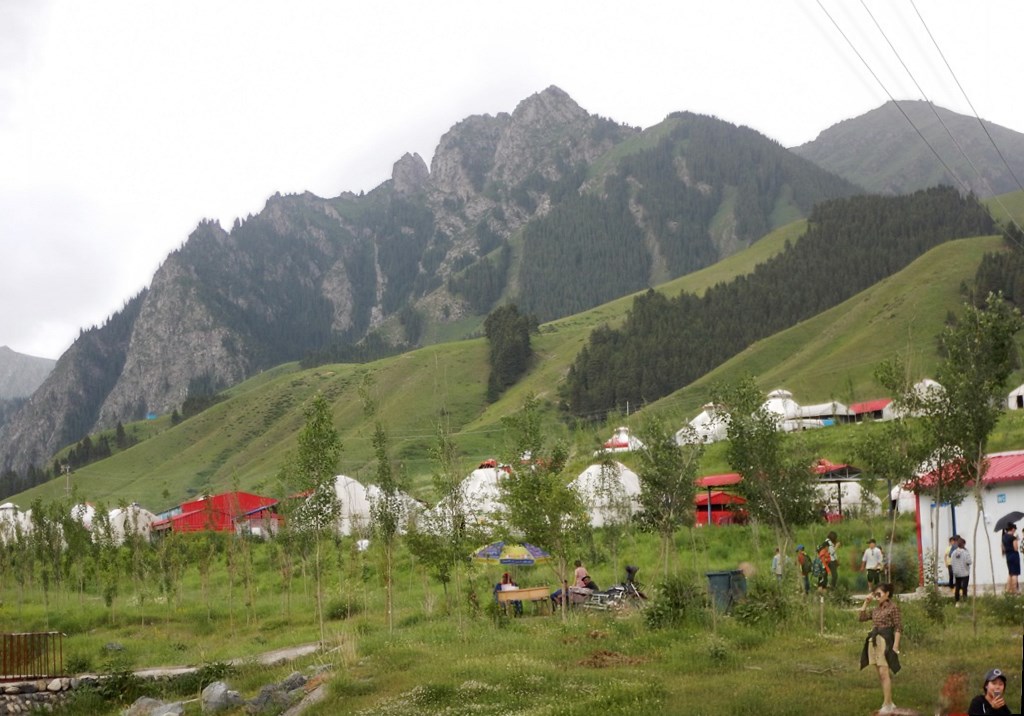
(311, 275)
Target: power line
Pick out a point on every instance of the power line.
(971, 105)
(893, 99)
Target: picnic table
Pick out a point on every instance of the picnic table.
(540, 596)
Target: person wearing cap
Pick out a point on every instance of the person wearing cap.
(804, 562)
(882, 646)
(991, 699)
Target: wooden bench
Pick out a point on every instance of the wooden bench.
(540, 596)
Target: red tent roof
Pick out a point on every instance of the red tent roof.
(719, 497)
(828, 469)
(730, 478)
(869, 406)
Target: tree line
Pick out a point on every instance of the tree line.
(850, 244)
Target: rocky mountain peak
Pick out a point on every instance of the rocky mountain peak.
(410, 175)
(552, 106)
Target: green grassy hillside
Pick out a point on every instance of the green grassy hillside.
(243, 441)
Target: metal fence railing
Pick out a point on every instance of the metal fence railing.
(31, 655)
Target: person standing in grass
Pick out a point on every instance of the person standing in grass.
(833, 558)
(872, 562)
(961, 562)
(804, 562)
(777, 566)
(882, 646)
(1011, 550)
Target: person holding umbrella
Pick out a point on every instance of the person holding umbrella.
(1011, 550)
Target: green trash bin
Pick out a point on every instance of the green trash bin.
(726, 588)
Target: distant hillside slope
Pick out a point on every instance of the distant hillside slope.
(21, 374)
(882, 152)
(833, 356)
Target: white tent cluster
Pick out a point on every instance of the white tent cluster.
(710, 425)
(122, 521)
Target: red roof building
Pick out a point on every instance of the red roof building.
(221, 513)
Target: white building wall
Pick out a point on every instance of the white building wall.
(941, 522)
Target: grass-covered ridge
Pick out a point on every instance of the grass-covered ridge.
(243, 441)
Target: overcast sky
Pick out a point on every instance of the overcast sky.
(123, 123)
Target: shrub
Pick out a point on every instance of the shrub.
(675, 600)
(343, 609)
(765, 605)
(1007, 609)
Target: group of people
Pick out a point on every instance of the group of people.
(583, 586)
(825, 566)
(958, 565)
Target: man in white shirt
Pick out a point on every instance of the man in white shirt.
(872, 562)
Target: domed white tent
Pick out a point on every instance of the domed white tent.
(789, 416)
(610, 492)
(1015, 400)
(850, 495)
(481, 496)
(13, 522)
(84, 513)
(130, 520)
(621, 441)
(708, 427)
(355, 505)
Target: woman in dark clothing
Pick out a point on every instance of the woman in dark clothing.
(990, 701)
(1011, 550)
(882, 646)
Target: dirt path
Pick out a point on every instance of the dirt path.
(267, 658)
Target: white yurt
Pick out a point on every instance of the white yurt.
(903, 499)
(621, 441)
(1015, 400)
(850, 495)
(132, 519)
(13, 522)
(84, 513)
(481, 495)
(354, 510)
(708, 427)
(610, 491)
(780, 401)
(355, 505)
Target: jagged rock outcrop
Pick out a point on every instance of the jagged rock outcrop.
(410, 175)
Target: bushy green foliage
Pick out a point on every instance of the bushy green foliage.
(676, 600)
(766, 605)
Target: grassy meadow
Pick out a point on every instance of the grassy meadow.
(777, 653)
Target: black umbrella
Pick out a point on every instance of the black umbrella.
(1007, 519)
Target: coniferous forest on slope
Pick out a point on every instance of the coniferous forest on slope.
(850, 244)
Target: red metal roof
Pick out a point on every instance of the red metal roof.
(730, 478)
(827, 469)
(869, 406)
(718, 497)
(1002, 467)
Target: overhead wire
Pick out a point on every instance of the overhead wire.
(970, 104)
(891, 97)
